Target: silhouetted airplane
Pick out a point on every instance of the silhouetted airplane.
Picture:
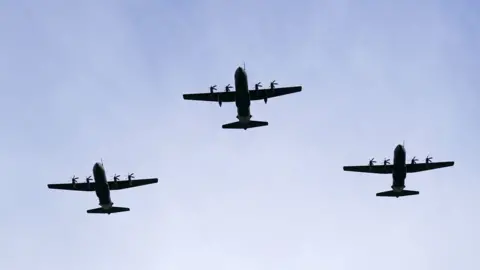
(242, 97)
(102, 188)
(399, 171)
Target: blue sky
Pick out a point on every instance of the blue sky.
(103, 79)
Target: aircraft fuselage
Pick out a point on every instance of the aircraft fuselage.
(242, 95)
(101, 186)
(399, 172)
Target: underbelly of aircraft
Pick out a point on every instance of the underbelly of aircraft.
(106, 206)
(244, 119)
(398, 188)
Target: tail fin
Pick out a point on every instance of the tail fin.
(397, 194)
(109, 211)
(245, 125)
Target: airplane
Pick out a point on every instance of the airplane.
(102, 188)
(242, 97)
(399, 170)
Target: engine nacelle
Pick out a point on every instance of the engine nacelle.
(371, 163)
(257, 86)
(130, 177)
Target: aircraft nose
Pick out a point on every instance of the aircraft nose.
(97, 166)
(239, 72)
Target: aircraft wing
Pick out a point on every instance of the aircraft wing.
(420, 167)
(379, 169)
(123, 184)
(269, 93)
(76, 187)
(213, 97)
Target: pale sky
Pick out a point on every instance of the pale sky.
(88, 80)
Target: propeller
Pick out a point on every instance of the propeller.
(386, 161)
(116, 177)
(228, 87)
(414, 160)
(428, 159)
(88, 179)
(74, 179)
(213, 88)
(272, 87)
(257, 86)
(130, 176)
(372, 161)
(272, 84)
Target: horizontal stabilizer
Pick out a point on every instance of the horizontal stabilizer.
(109, 211)
(397, 194)
(245, 125)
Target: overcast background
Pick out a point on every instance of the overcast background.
(87, 80)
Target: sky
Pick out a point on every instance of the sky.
(84, 81)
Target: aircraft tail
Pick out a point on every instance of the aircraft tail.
(245, 125)
(397, 194)
(109, 211)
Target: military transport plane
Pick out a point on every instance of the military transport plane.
(399, 171)
(102, 188)
(242, 97)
